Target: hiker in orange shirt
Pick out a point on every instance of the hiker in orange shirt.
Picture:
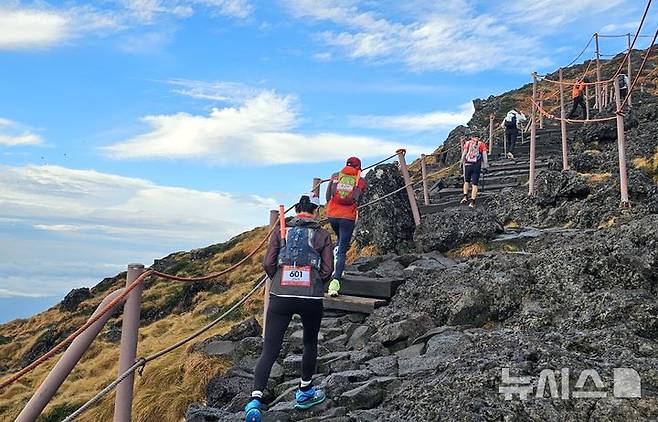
(578, 96)
(343, 194)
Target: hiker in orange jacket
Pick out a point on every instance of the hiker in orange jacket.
(578, 96)
(343, 195)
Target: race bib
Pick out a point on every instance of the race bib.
(296, 276)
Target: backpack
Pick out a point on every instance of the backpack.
(510, 124)
(345, 185)
(473, 154)
(297, 251)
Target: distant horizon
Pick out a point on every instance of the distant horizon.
(132, 129)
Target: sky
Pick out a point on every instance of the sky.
(130, 129)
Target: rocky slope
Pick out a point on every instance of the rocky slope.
(563, 280)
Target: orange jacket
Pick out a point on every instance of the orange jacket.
(578, 89)
(336, 210)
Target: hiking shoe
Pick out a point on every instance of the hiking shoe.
(472, 203)
(253, 411)
(510, 155)
(334, 287)
(309, 398)
(464, 200)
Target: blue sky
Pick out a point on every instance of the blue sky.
(133, 128)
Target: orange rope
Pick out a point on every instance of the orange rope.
(553, 117)
(639, 73)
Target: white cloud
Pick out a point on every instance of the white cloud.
(29, 28)
(260, 131)
(14, 134)
(442, 37)
(60, 199)
(552, 14)
(232, 92)
(420, 122)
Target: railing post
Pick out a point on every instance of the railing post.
(491, 133)
(129, 334)
(410, 189)
(274, 218)
(621, 145)
(586, 102)
(630, 53)
(533, 137)
(541, 104)
(65, 365)
(315, 187)
(423, 168)
(598, 73)
(563, 126)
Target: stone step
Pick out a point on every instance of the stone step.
(364, 305)
(381, 288)
(453, 201)
(518, 166)
(485, 187)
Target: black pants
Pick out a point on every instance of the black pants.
(510, 136)
(578, 101)
(279, 314)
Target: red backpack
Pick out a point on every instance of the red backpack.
(345, 185)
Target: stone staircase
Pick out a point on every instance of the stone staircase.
(503, 173)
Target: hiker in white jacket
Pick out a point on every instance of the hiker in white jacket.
(512, 123)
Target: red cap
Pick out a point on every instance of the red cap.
(354, 162)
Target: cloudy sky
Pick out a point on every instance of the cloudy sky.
(133, 128)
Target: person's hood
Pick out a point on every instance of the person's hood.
(298, 221)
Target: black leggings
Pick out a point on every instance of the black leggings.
(578, 102)
(511, 136)
(279, 314)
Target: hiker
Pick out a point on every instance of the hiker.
(511, 126)
(474, 160)
(623, 86)
(343, 194)
(298, 267)
(578, 96)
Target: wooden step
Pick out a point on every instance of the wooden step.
(382, 288)
(364, 305)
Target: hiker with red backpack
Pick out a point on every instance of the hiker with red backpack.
(343, 194)
(474, 160)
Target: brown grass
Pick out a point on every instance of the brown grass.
(512, 224)
(355, 252)
(468, 250)
(607, 224)
(648, 165)
(593, 179)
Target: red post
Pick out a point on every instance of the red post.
(563, 126)
(423, 168)
(129, 334)
(274, 218)
(65, 365)
(533, 137)
(623, 175)
(598, 73)
(410, 189)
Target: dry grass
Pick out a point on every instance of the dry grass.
(469, 250)
(607, 224)
(355, 252)
(512, 224)
(648, 165)
(593, 179)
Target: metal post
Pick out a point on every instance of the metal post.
(642, 88)
(533, 138)
(410, 189)
(598, 72)
(129, 334)
(630, 53)
(491, 133)
(563, 126)
(586, 102)
(65, 365)
(274, 218)
(423, 168)
(623, 175)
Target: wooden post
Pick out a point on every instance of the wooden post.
(533, 137)
(642, 88)
(630, 53)
(410, 189)
(423, 168)
(541, 104)
(598, 73)
(586, 102)
(315, 186)
(274, 219)
(563, 126)
(623, 175)
(491, 133)
(129, 334)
